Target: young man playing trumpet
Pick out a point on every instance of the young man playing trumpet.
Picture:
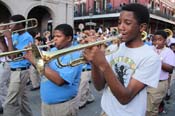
(124, 75)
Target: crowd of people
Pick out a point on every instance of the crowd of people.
(130, 71)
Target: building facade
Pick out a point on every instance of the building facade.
(106, 12)
(49, 13)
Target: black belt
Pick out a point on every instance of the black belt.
(162, 80)
(19, 69)
(86, 70)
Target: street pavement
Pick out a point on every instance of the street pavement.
(93, 109)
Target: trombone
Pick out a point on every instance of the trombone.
(32, 21)
(23, 50)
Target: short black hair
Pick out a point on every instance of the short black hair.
(38, 38)
(66, 29)
(161, 33)
(141, 12)
(173, 44)
(18, 17)
(4, 21)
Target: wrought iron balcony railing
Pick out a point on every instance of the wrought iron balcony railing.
(117, 10)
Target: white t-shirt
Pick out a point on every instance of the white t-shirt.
(112, 47)
(168, 57)
(144, 65)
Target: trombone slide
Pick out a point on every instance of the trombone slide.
(34, 20)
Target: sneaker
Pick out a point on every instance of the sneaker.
(28, 83)
(91, 99)
(35, 88)
(82, 106)
(164, 111)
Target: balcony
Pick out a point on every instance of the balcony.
(164, 15)
(95, 12)
(117, 10)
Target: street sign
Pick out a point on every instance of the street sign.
(90, 24)
(81, 26)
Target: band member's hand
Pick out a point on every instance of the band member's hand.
(94, 54)
(8, 34)
(29, 55)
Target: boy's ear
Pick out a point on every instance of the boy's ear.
(70, 38)
(143, 27)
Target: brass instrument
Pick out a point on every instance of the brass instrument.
(33, 21)
(144, 35)
(50, 42)
(169, 32)
(20, 51)
(47, 56)
(43, 57)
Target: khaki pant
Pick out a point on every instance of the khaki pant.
(4, 81)
(155, 96)
(172, 82)
(17, 103)
(34, 77)
(68, 108)
(84, 93)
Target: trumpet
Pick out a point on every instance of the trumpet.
(33, 21)
(47, 56)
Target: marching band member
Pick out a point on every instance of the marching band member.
(4, 72)
(124, 75)
(156, 95)
(17, 102)
(59, 85)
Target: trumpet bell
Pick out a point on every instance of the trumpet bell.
(169, 32)
(38, 59)
(144, 35)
